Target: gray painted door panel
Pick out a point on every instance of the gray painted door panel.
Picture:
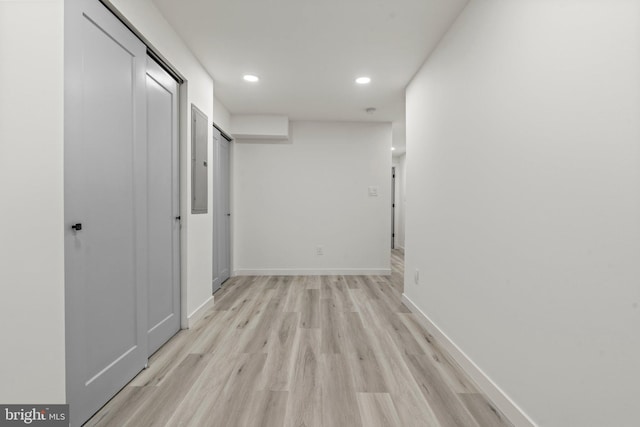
(225, 232)
(221, 211)
(163, 319)
(217, 211)
(105, 190)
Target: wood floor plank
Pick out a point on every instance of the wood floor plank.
(485, 413)
(156, 411)
(231, 403)
(165, 360)
(340, 293)
(401, 335)
(335, 289)
(257, 339)
(378, 410)
(360, 355)
(293, 299)
(331, 327)
(355, 339)
(122, 407)
(364, 308)
(199, 405)
(310, 309)
(250, 317)
(265, 408)
(271, 282)
(168, 357)
(303, 407)
(353, 282)
(449, 370)
(413, 409)
(313, 282)
(279, 364)
(339, 403)
(221, 325)
(282, 289)
(448, 408)
(229, 285)
(231, 293)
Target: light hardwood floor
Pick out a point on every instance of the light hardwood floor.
(332, 351)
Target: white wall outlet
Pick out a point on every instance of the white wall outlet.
(416, 277)
(319, 250)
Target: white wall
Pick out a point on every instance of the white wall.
(32, 360)
(260, 126)
(399, 163)
(290, 198)
(196, 229)
(523, 183)
(221, 115)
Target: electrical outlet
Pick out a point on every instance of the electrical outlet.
(416, 277)
(319, 250)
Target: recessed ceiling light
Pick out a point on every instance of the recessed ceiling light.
(251, 78)
(363, 80)
(393, 148)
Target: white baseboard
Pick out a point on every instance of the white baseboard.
(486, 385)
(313, 272)
(199, 312)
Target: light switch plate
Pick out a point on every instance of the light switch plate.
(373, 191)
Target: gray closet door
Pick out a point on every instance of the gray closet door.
(225, 210)
(105, 206)
(163, 316)
(221, 211)
(217, 212)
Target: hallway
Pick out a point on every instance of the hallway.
(338, 351)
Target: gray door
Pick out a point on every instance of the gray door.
(105, 206)
(225, 205)
(217, 212)
(163, 315)
(222, 211)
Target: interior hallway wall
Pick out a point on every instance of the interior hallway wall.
(32, 352)
(221, 115)
(314, 191)
(523, 183)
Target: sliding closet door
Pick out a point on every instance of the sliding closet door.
(221, 210)
(163, 317)
(105, 206)
(225, 209)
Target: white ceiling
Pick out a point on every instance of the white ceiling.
(308, 52)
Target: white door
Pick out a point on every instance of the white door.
(163, 315)
(105, 206)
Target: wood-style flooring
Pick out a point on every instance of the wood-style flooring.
(332, 351)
